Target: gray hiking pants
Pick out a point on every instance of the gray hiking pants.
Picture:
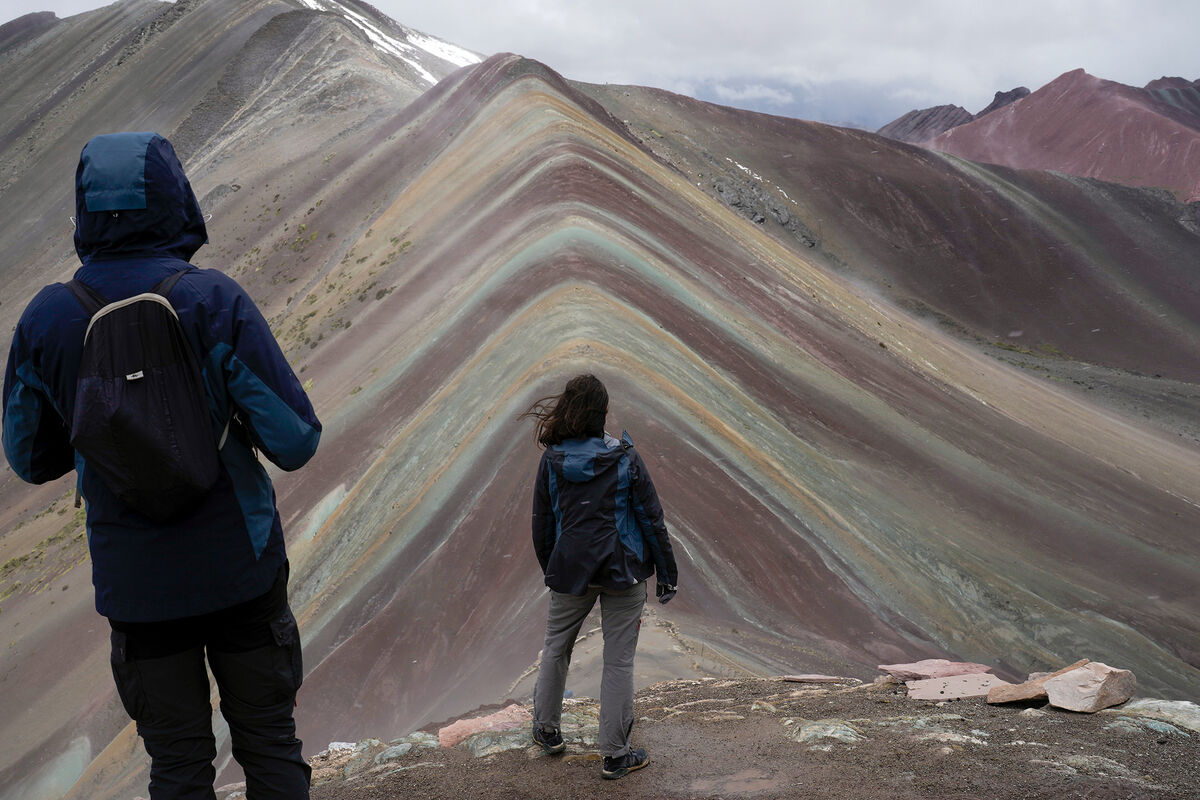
(620, 622)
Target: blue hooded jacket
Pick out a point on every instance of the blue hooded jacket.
(137, 221)
(597, 520)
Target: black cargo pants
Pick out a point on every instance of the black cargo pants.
(253, 649)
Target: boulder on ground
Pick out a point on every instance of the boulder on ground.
(506, 720)
(933, 668)
(956, 687)
(1090, 688)
(1032, 689)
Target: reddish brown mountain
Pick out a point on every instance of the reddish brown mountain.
(1083, 125)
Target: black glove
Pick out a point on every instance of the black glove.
(664, 591)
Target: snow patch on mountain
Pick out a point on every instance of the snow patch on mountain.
(405, 49)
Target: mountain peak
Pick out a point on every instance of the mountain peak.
(1004, 98)
(1072, 123)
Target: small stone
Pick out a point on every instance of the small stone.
(933, 668)
(1032, 713)
(1130, 724)
(949, 737)
(1097, 765)
(489, 743)
(763, 705)
(1124, 725)
(1091, 687)
(1032, 689)
(419, 740)
(955, 687)
(806, 731)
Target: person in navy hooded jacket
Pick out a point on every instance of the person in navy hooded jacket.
(598, 534)
(214, 580)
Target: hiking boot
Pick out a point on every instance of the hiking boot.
(623, 765)
(551, 740)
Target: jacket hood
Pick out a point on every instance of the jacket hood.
(132, 198)
(580, 460)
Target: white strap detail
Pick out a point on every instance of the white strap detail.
(224, 434)
(151, 296)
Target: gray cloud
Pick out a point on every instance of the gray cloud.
(863, 61)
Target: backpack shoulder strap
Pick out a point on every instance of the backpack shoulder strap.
(165, 286)
(91, 300)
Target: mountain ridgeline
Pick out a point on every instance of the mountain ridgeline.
(897, 404)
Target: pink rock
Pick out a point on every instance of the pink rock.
(933, 668)
(508, 719)
(1032, 689)
(955, 687)
(1091, 687)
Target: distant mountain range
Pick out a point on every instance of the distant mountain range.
(898, 404)
(1078, 124)
(924, 124)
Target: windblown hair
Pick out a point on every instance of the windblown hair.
(578, 413)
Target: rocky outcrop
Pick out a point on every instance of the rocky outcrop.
(756, 199)
(1183, 713)
(512, 717)
(1091, 687)
(921, 125)
(1002, 99)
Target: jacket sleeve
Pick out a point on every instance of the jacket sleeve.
(36, 440)
(270, 402)
(649, 514)
(544, 525)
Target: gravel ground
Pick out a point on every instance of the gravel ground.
(739, 738)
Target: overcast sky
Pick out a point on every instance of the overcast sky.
(853, 61)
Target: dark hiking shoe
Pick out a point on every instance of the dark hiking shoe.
(551, 740)
(623, 765)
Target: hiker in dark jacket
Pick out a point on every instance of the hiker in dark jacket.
(598, 533)
(214, 578)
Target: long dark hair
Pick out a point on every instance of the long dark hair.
(578, 413)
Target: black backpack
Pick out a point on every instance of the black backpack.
(141, 412)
